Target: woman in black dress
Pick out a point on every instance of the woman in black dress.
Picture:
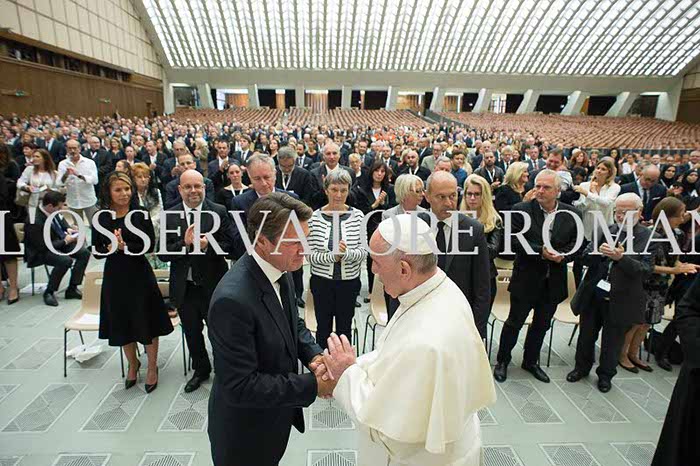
(9, 173)
(132, 309)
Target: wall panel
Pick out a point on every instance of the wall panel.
(54, 91)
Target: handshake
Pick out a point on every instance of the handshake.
(332, 363)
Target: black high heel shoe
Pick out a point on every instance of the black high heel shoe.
(12, 301)
(150, 387)
(128, 383)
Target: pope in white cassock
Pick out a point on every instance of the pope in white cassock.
(416, 396)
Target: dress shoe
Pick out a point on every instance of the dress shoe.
(128, 383)
(366, 300)
(575, 375)
(500, 372)
(50, 299)
(73, 293)
(537, 372)
(150, 387)
(604, 385)
(642, 366)
(631, 369)
(664, 363)
(194, 383)
(12, 301)
(300, 303)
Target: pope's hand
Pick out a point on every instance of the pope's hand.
(339, 356)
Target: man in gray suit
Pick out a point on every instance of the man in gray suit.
(611, 295)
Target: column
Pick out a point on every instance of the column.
(204, 92)
(575, 103)
(253, 99)
(667, 106)
(346, 97)
(482, 103)
(299, 96)
(622, 104)
(459, 103)
(438, 102)
(529, 101)
(168, 97)
(391, 97)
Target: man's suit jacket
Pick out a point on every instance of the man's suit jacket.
(423, 153)
(172, 194)
(57, 150)
(532, 166)
(305, 162)
(394, 165)
(319, 198)
(36, 249)
(208, 267)
(301, 183)
(628, 178)
(656, 193)
(532, 274)
(257, 394)
(422, 172)
(497, 174)
(368, 160)
(628, 299)
(103, 160)
(471, 273)
(219, 178)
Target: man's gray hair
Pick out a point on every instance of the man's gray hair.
(443, 158)
(279, 206)
(630, 197)
(261, 159)
(405, 185)
(287, 152)
(339, 176)
(421, 263)
(547, 171)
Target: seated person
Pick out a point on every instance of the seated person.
(63, 239)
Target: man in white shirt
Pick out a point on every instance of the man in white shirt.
(431, 349)
(79, 175)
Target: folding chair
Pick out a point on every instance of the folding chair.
(501, 305)
(564, 314)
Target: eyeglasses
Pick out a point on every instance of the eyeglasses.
(474, 195)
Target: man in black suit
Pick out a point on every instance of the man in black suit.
(152, 157)
(63, 240)
(636, 174)
(539, 278)
(245, 152)
(648, 188)
(412, 168)
(425, 149)
(532, 158)
(303, 160)
(170, 168)
(468, 271)
(506, 158)
(101, 157)
(194, 275)
(218, 167)
(172, 190)
(493, 174)
(331, 155)
(612, 293)
(385, 157)
(367, 158)
(55, 148)
(258, 340)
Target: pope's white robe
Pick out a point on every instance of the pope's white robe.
(415, 397)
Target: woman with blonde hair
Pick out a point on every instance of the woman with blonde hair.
(512, 190)
(477, 198)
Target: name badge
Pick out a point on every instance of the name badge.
(604, 285)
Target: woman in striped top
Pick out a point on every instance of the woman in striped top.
(335, 278)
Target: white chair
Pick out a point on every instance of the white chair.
(501, 305)
(312, 324)
(378, 315)
(564, 314)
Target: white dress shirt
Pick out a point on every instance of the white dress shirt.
(271, 273)
(80, 192)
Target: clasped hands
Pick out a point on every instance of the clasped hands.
(330, 365)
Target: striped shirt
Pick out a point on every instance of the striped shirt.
(322, 260)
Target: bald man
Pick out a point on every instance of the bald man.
(102, 158)
(194, 276)
(648, 188)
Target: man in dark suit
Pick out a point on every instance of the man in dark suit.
(331, 155)
(425, 149)
(648, 188)
(539, 278)
(245, 152)
(152, 157)
(62, 239)
(532, 158)
(258, 340)
(506, 158)
(217, 167)
(493, 174)
(635, 175)
(194, 275)
(385, 157)
(55, 148)
(303, 160)
(101, 157)
(412, 168)
(468, 271)
(611, 295)
(172, 191)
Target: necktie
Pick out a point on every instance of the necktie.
(192, 216)
(284, 297)
(59, 228)
(442, 245)
(285, 180)
(646, 197)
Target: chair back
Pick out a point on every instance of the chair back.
(377, 304)
(92, 289)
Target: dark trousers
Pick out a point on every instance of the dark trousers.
(520, 307)
(61, 265)
(662, 344)
(298, 278)
(370, 276)
(334, 298)
(494, 290)
(597, 317)
(193, 315)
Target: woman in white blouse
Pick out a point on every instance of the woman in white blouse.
(37, 178)
(599, 194)
(335, 278)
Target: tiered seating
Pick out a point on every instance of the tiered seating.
(242, 116)
(589, 131)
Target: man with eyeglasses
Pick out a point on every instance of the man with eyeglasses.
(468, 271)
(195, 274)
(185, 162)
(539, 278)
(648, 188)
(331, 157)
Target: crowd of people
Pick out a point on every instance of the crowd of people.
(197, 166)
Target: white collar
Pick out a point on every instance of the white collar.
(410, 298)
(189, 209)
(268, 269)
